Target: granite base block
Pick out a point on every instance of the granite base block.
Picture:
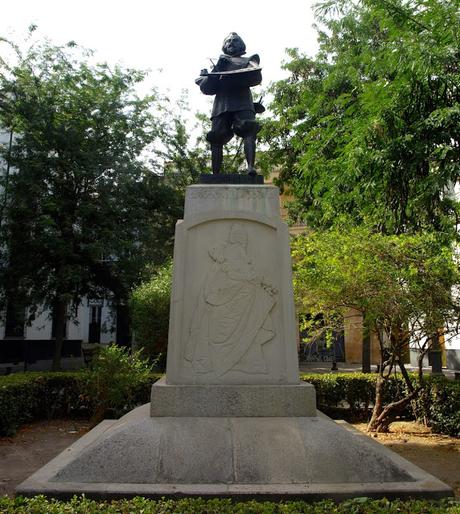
(297, 400)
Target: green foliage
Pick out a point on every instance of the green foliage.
(439, 404)
(184, 157)
(83, 211)
(393, 281)
(116, 382)
(369, 127)
(150, 311)
(26, 397)
(138, 505)
(352, 395)
(400, 284)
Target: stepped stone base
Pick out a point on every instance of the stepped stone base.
(240, 457)
(232, 400)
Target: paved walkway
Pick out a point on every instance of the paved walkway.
(345, 367)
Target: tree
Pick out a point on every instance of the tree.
(183, 150)
(84, 211)
(370, 126)
(368, 131)
(405, 286)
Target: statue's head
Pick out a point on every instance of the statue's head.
(233, 45)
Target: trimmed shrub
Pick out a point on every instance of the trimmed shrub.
(439, 405)
(31, 396)
(25, 397)
(140, 505)
(351, 396)
(118, 386)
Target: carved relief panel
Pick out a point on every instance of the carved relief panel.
(230, 318)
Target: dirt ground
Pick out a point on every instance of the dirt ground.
(32, 447)
(35, 444)
(437, 454)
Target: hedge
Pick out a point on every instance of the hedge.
(31, 396)
(351, 396)
(439, 405)
(26, 397)
(138, 505)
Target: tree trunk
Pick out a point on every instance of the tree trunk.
(382, 417)
(378, 405)
(381, 422)
(366, 351)
(60, 319)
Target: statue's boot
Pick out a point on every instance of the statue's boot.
(217, 156)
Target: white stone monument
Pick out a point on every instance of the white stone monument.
(231, 418)
(232, 322)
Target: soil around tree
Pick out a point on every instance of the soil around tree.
(434, 453)
(37, 443)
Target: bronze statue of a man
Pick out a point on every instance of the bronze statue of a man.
(233, 112)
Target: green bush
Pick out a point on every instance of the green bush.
(149, 305)
(352, 394)
(118, 381)
(439, 405)
(138, 505)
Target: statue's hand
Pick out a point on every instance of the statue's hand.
(203, 73)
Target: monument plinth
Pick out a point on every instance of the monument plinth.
(232, 308)
(231, 417)
(232, 343)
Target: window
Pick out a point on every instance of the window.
(94, 331)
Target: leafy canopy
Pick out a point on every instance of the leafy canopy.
(149, 304)
(370, 126)
(83, 210)
(394, 281)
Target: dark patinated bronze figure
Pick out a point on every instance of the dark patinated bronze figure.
(234, 111)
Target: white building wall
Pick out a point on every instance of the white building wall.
(77, 329)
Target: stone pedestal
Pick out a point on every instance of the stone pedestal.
(231, 418)
(232, 309)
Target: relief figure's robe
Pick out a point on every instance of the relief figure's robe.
(232, 318)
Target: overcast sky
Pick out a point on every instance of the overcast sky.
(172, 35)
